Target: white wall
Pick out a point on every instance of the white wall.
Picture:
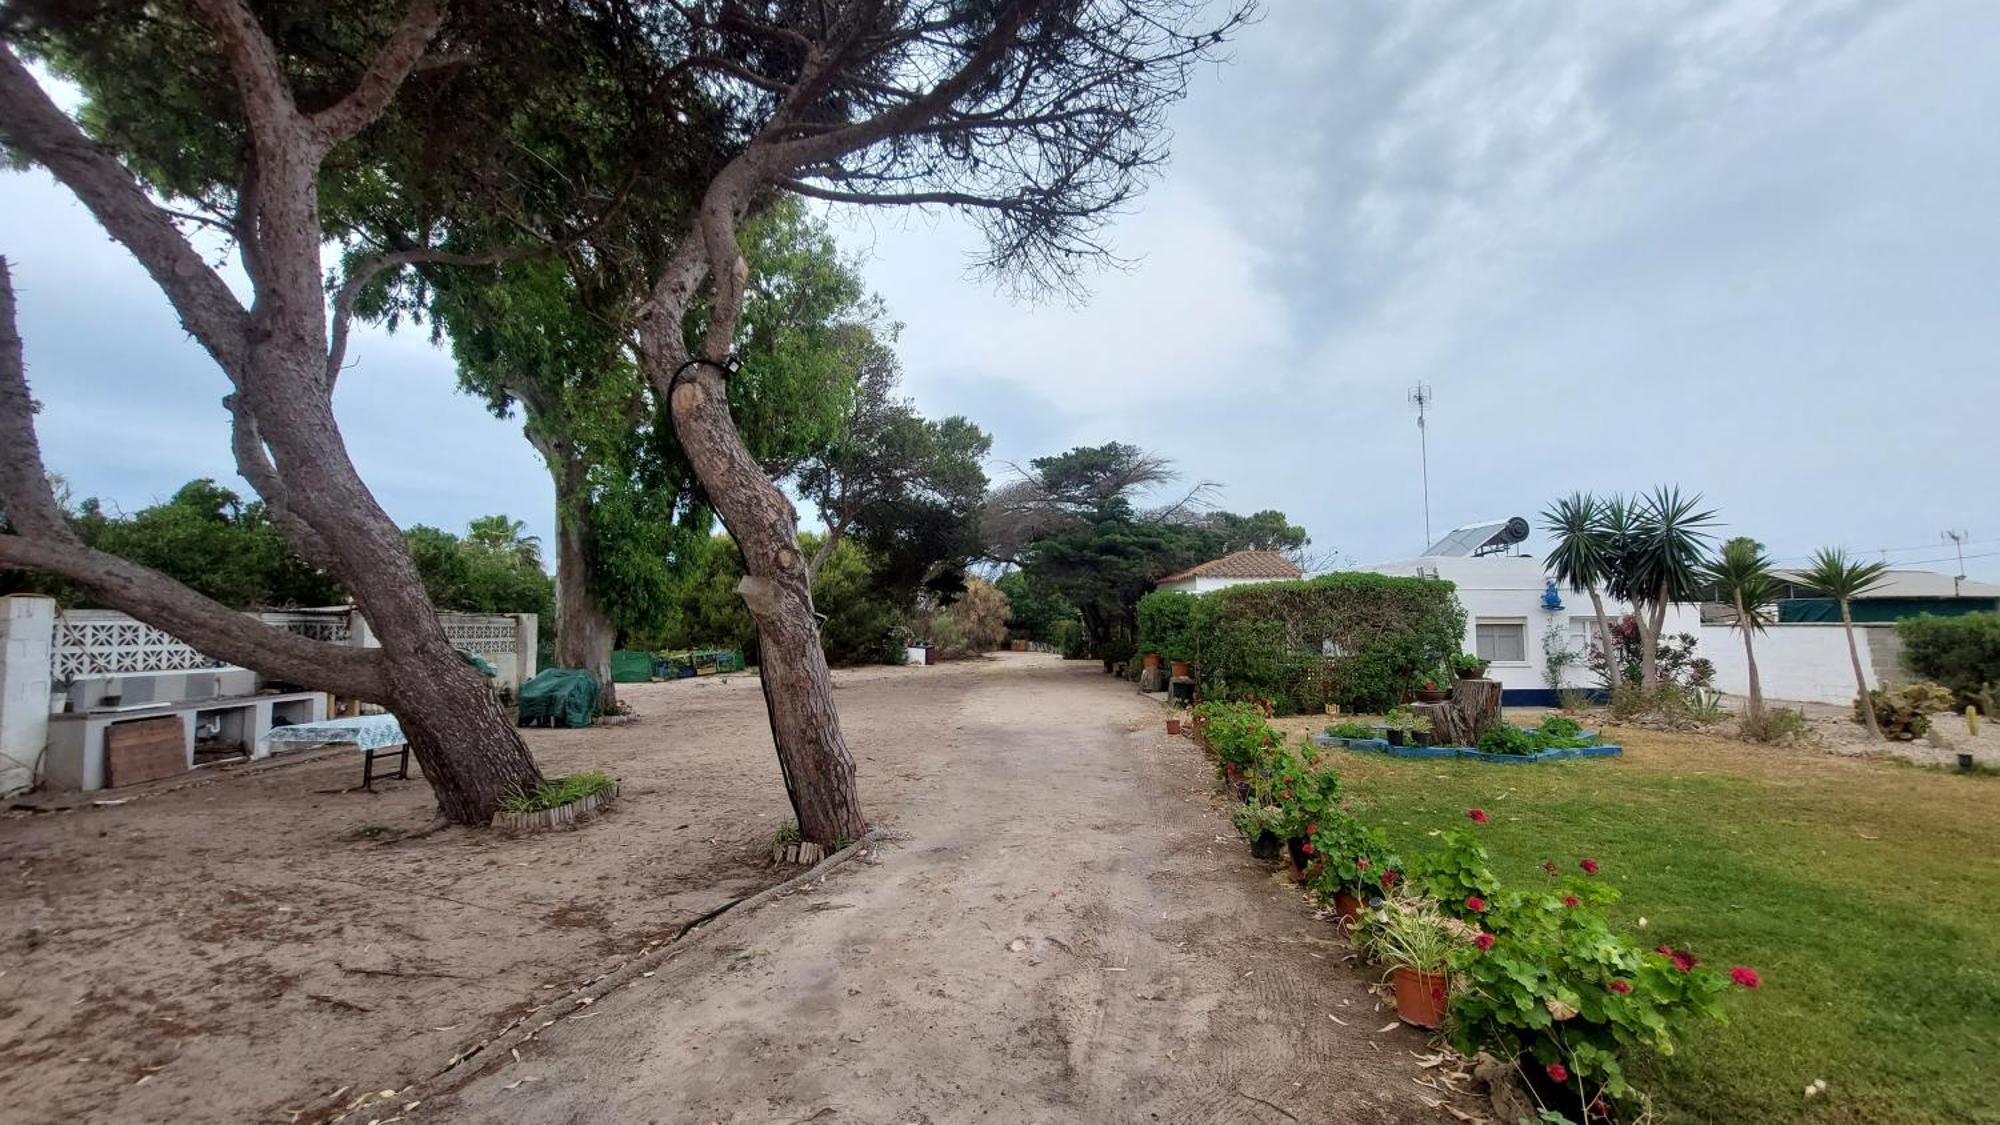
(1205, 584)
(27, 633)
(1798, 663)
(1507, 589)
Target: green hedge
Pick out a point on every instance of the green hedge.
(1962, 653)
(1165, 618)
(1360, 640)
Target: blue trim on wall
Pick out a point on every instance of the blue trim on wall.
(1544, 697)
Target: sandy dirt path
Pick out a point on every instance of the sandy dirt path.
(1069, 932)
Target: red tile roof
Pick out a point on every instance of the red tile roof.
(1241, 564)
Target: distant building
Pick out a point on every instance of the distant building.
(1234, 569)
(1903, 593)
(1514, 612)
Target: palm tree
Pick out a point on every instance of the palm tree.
(1582, 560)
(1664, 564)
(1742, 576)
(506, 537)
(1834, 574)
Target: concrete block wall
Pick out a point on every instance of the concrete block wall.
(27, 637)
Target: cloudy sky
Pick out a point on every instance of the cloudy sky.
(1745, 247)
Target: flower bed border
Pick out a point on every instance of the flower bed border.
(1381, 746)
(560, 817)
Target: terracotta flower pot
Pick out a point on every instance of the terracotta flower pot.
(1152, 661)
(1420, 997)
(1173, 726)
(1180, 669)
(1347, 905)
(1431, 695)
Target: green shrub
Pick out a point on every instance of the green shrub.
(1363, 641)
(1504, 738)
(1962, 653)
(556, 792)
(1904, 713)
(1164, 617)
(1067, 637)
(1779, 726)
(1351, 729)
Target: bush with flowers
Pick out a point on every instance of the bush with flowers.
(1542, 979)
(1236, 734)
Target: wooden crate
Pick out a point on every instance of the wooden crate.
(143, 750)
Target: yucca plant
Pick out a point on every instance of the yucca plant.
(1837, 575)
(1743, 577)
(1582, 557)
(1668, 538)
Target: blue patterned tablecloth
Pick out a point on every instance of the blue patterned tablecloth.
(369, 732)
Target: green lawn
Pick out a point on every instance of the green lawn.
(1864, 892)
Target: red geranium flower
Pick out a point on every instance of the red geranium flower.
(1619, 986)
(1361, 863)
(1552, 870)
(1746, 976)
(1474, 903)
(1589, 866)
(1287, 794)
(1682, 959)
(1558, 1073)
(1306, 848)
(1570, 901)
(1312, 829)
(1484, 942)
(1477, 816)
(1389, 879)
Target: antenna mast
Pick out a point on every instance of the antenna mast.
(1420, 397)
(1958, 539)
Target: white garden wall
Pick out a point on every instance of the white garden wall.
(1797, 663)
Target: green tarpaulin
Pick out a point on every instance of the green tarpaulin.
(631, 667)
(564, 697)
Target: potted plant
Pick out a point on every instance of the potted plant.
(1152, 661)
(1467, 666)
(1432, 693)
(1415, 940)
(1405, 728)
(1174, 725)
(1260, 825)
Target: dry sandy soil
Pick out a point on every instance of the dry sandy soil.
(1064, 930)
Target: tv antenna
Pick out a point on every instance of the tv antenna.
(1421, 397)
(1957, 540)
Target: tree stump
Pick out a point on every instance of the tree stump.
(1474, 707)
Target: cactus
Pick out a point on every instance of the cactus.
(1904, 713)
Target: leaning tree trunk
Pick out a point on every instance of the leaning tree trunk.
(1612, 673)
(1750, 661)
(798, 689)
(1866, 704)
(585, 635)
(470, 753)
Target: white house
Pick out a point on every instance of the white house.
(1515, 613)
(1234, 569)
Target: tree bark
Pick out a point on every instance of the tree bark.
(1651, 620)
(798, 688)
(1611, 671)
(1750, 660)
(276, 354)
(1860, 680)
(585, 636)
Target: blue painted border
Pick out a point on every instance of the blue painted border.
(1381, 746)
